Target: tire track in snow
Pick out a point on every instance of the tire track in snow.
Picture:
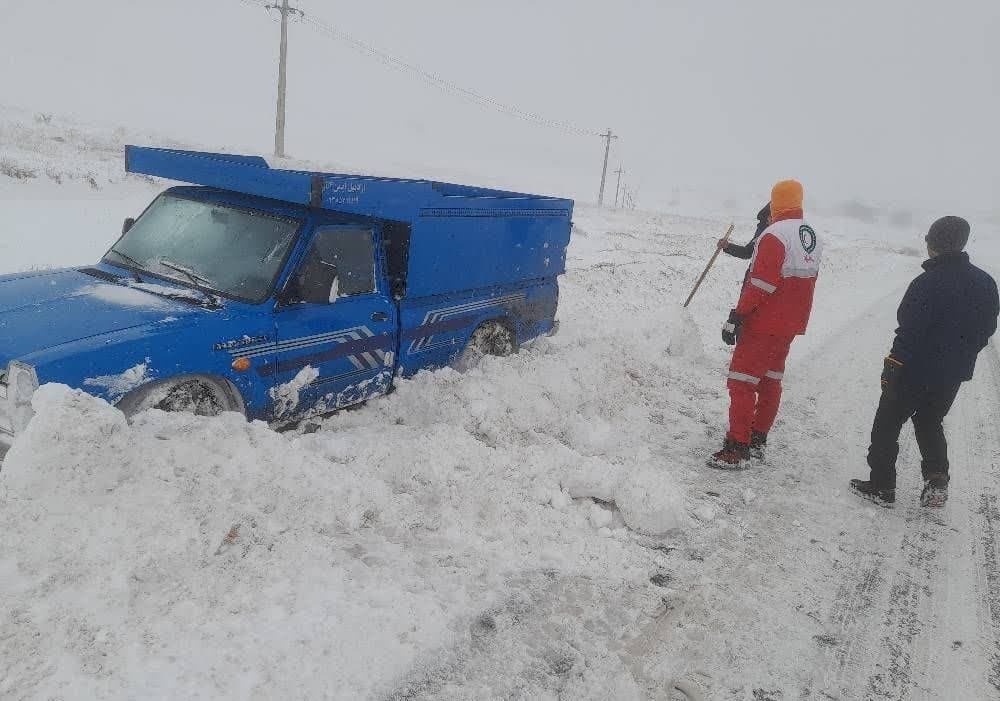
(908, 622)
(886, 630)
(989, 510)
(985, 518)
(859, 578)
(852, 606)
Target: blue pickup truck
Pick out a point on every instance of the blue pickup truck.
(282, 294)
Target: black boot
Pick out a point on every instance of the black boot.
(758, 445)
(733, 456)
(935, 490)
(883, 496)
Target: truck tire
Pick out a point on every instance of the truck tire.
(491, 338)
(195, 394)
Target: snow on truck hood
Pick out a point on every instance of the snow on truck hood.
(42, 310)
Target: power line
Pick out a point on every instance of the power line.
(445, 84)
(438, 81)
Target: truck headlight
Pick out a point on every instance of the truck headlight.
(22, 381)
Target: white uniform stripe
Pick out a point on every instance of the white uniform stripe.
(742, 377)
(766, 286)
(800, 272)
(774, 375)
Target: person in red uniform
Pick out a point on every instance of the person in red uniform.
(774, 308)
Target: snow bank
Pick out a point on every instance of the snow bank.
(207, 558)
(157, 558)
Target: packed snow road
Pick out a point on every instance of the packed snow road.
(828, 596)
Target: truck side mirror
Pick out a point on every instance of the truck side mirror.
(129, 221)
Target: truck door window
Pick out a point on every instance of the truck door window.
(341, 261)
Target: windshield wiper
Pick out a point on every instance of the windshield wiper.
(130, 260)
(198, 281)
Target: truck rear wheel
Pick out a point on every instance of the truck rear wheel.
(202, 396)
(491, 338)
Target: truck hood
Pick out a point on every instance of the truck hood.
(41, 310)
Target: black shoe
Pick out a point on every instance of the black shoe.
(881, 496)
(935, 493)
(733, 456)
(758, 445)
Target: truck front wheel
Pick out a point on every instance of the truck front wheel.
(202, 396)
(491, 338)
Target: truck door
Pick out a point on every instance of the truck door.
(336, 326)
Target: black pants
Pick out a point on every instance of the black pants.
(927, 406)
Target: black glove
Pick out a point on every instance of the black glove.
(892, 371)
(731, 329)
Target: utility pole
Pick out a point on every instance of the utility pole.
(279, 121)
(618, 187)
(604, 173)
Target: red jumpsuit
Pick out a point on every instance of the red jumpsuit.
(775, 305)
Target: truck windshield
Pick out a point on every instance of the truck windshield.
(235, 252)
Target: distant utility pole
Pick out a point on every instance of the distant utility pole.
(618, 187)
(279, 121)
(604, 173)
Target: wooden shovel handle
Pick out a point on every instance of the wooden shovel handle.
(711, 262)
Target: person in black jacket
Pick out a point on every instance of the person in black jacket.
(746, 250)
(946, 317)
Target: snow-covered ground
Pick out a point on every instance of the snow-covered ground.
(542, 526)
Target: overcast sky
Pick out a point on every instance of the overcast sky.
(890, 101)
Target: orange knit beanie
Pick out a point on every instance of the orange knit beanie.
(786, 196)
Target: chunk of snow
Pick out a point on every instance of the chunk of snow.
(649, 500)
(704, 513)
(127, 296)
(286, 396)
(561, 499)
(599, 516)
(117, 386)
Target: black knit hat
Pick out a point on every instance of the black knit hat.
(764, 215)
(948, 235)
